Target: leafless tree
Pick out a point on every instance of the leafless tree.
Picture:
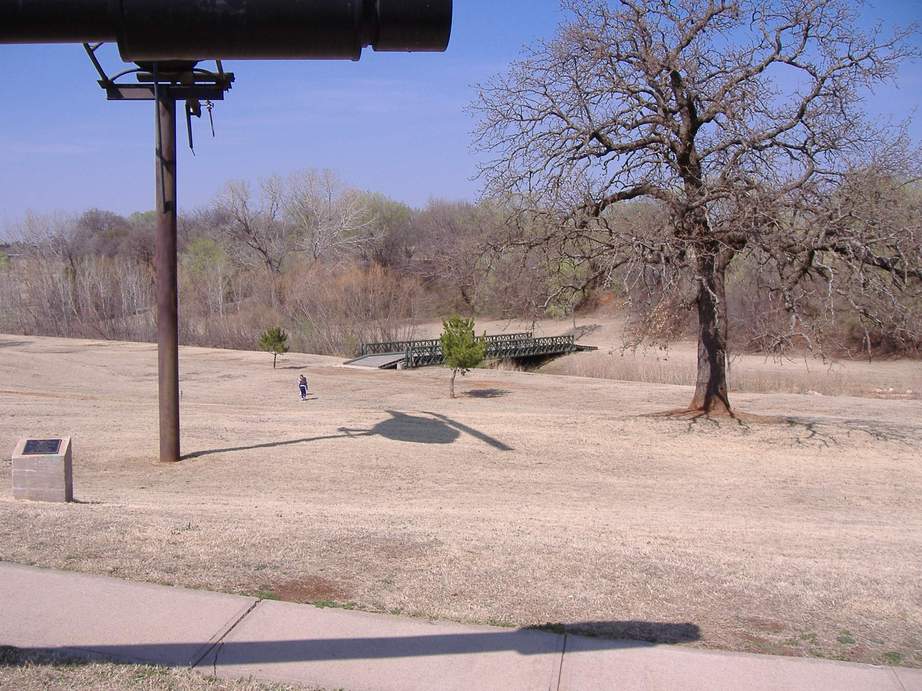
(329, 218)
(391, 233)
(449, 247)
(62, 286)
(253, 224)
(855, 250)
(728, 116)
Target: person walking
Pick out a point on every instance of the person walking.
(302, 386)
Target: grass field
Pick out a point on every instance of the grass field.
(28, 671)
(795, 373)
(531, 500)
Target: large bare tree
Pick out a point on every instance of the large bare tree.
(731, 119)
(448, 247)
(330, 218)
(253, 224)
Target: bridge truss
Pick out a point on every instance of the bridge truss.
(427, 353)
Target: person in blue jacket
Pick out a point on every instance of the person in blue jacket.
(302, 386)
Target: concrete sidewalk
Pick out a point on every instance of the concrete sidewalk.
(235, 636)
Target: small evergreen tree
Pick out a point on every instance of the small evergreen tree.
(274, 341)
(460, 348)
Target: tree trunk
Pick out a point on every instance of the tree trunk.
(70, 271)
(451, 387)
(711, 395)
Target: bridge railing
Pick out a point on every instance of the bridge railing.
(424, 354)
(404, 346)
(533, 346)
(394, 346)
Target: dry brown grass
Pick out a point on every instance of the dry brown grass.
(28, 671)
(891, 379)
(556, 500)
(901, 379)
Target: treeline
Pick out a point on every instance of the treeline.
(336, 266)
(333, 265)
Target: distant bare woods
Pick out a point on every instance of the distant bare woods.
(335, 266)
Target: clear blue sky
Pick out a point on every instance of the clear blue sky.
(390, 123)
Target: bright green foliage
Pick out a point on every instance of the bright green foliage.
(141, 218)
(202, 255)
(274, 341)
(460, 348)
(4, 261)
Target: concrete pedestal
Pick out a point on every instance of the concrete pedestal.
(43, 470)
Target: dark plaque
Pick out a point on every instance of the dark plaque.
(41, 447)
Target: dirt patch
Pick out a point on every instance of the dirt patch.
(770, 646)
(309, 590)
(761, 624)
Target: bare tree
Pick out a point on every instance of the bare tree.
(727, 115)
(329, 217)
(449, 247)
(855, 250)
(253, 225)
(391, 234)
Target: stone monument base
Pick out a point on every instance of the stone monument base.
(43, 470)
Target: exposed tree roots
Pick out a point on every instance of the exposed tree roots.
(718, 415)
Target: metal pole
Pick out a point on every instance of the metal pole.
(165, 261)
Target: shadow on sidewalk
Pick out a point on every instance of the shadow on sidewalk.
(522, 641)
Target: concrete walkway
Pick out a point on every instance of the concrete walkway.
(233, 636)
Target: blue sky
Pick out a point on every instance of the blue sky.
(390, 123)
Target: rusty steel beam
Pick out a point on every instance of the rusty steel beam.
(161, 30)
(165, 263)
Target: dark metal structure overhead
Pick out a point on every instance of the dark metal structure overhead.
(168, 39)
(161, 30)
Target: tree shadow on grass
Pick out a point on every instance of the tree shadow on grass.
(813, 431)
(487, 393)
(807, 431)
(436, 429)
(646, 631)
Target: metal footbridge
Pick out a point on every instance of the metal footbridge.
(426, 353)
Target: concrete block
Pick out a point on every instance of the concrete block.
(43, 470)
